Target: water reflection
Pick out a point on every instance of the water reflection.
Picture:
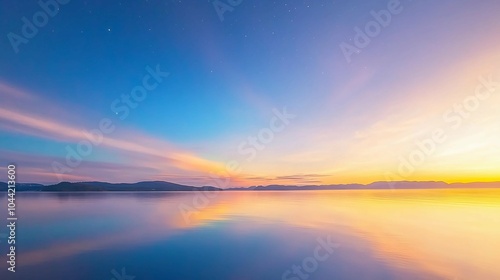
(383, 234)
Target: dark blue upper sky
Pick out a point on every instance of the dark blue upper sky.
(92, 51)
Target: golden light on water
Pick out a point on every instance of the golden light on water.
(451, 234)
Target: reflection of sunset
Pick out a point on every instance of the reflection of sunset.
(445, 233)
(457, 236)
(449, 233)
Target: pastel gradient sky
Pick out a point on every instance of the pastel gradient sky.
(354, 122)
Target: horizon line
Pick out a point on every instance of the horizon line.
(286, 185)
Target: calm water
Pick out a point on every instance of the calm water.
(383, 234)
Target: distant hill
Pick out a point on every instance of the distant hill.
(140, 186)
(167, 186)
(103, 186)
(372, 186)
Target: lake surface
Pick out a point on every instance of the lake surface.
(358, 234)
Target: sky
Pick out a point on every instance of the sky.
(243, 93)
